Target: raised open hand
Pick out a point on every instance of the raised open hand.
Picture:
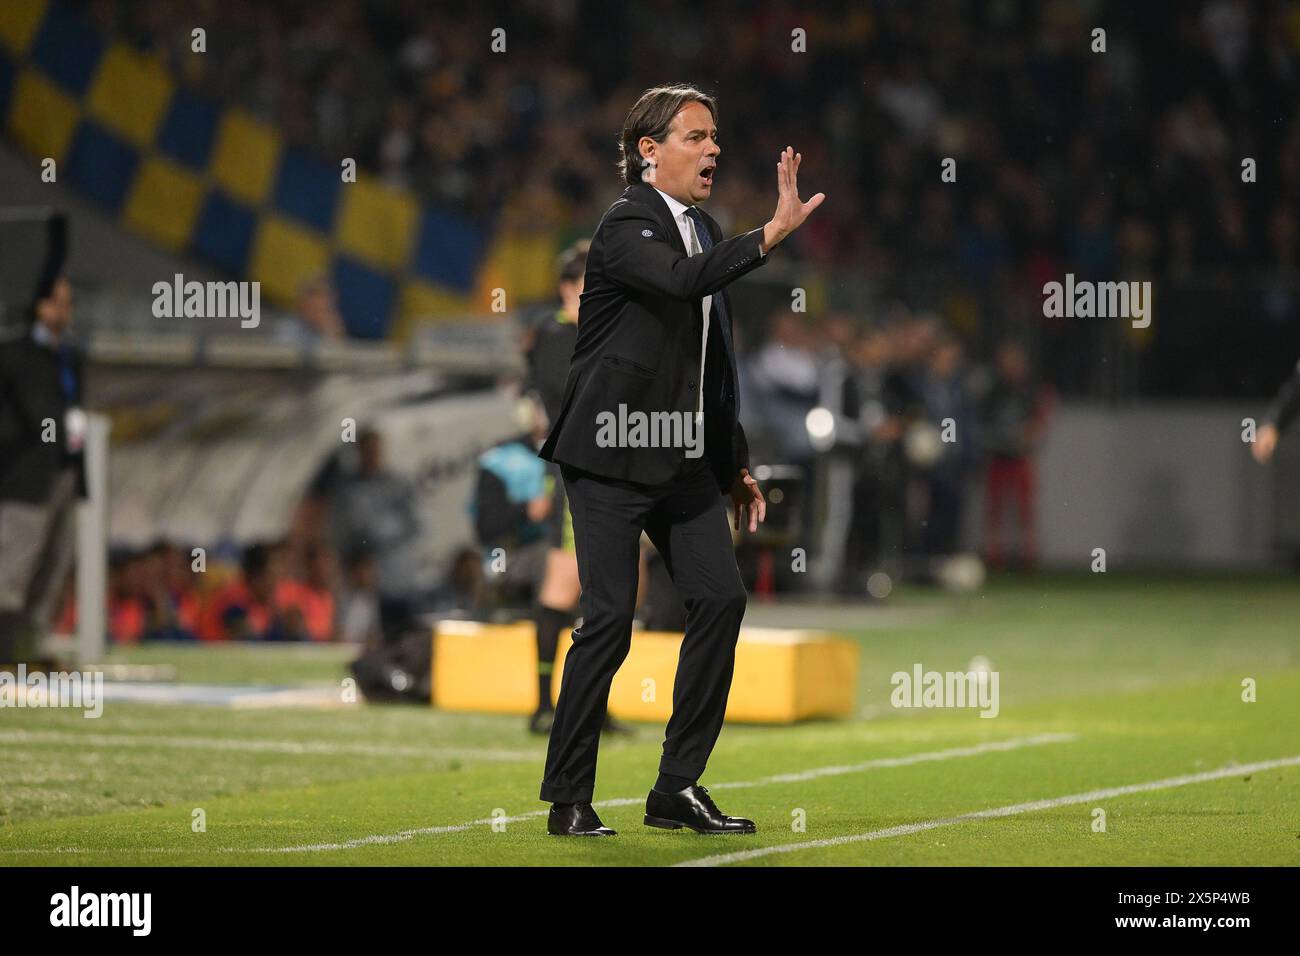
(791, 211)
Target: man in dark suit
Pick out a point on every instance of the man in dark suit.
(42, 477)
(648, 439)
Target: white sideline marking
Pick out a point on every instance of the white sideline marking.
(262, 746)
(949, 754)
(385, 838)
(973, 751)
(721, 859)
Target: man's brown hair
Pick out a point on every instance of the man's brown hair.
(652, 116)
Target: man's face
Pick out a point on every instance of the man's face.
(686, 158)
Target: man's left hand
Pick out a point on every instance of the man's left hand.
(747, 501)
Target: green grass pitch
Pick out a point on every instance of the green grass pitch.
(1106, 681)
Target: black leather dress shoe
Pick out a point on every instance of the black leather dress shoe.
(692, 808)
(576, 820)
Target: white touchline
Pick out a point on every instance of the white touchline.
(721, 859)
(263, 746)
(877, 763)
(383, 838)
(880, 762)
(629, 801)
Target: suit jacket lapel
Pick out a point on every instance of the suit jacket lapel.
(644, 192)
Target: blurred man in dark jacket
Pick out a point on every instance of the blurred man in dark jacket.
(42, 431)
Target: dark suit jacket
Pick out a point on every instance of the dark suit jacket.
(638, 344)
(30, 392)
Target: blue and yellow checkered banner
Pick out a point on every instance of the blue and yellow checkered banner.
(219, 184)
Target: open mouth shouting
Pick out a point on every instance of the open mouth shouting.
(706, 174)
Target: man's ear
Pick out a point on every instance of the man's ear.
(650, 144)
(649, 167)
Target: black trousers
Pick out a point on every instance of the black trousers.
(686, 519)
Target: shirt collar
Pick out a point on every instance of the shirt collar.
(674, 206)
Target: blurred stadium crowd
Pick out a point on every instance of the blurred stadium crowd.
(927, 295)
(1105, 165)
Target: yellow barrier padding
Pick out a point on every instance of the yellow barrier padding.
(781, 676)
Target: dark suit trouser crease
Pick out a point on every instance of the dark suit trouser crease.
(686, 519)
